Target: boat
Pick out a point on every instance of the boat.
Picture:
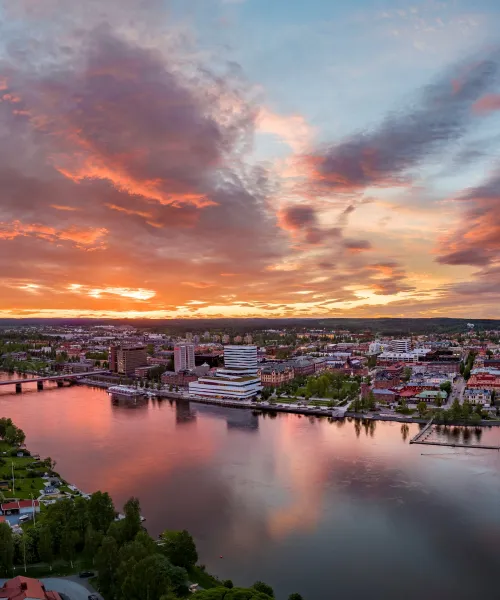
(125, 390)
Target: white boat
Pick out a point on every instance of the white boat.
(125, 390)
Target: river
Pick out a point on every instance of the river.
(334, 510)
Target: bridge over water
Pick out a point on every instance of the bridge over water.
(59, 379)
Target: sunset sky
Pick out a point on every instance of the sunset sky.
(197, 158)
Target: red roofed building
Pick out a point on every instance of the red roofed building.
(26, 588)
(484, 381)
(20, 507)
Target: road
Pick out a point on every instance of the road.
(457, 390)
(72, 587)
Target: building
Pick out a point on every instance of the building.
(303, 366)
(248, 339)
(26, 588)
(20, 507)
(143, 371)
(403, 345)
(178, 378)
(226, 339)
(402, 357)
(384, 395)
(125, 359)
(387, 378)
(275, 375)
(431, 396)
(485, 381)
(478, 396)
(184, 357)
(238, 379)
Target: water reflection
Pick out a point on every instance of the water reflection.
(302, 502)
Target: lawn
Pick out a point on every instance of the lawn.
(24, 486)
(320, 403)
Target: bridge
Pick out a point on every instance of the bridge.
(59, 379)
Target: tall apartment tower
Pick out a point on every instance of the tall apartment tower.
(125, 359)
(184, 357)
(403, 345)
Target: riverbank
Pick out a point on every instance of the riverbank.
(334, 413)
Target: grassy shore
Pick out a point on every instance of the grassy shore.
(24, 484)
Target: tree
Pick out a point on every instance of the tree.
(179, 548)
(132, 521)
(46, 546)
(369, 401)
(107, 562)
(93, 541)
(475, 419)
(14, 436)
(260, 586)
(68, 545)
(101, 511)
(407, 374)
(153, 577)
(446, 387)
(295, 597)
(456, 410)
(466, 373)
(227, 583)
(6, 549)
(466, 410)
(462, 367)
(50, 464)
(422, 409)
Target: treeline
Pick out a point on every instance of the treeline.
(460, 413)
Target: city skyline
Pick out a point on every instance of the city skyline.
(235, 158)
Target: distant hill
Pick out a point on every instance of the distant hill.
(381, 326)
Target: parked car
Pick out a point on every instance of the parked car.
(83, 574)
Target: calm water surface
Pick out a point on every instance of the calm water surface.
(330, 510)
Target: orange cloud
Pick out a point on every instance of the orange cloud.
(82, 237)
(487, 104)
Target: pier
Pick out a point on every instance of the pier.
(425, 432)
(423, 435)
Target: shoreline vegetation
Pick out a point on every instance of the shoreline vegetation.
(82, 532)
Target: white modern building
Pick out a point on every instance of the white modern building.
(405, 357)
(184, 357)
(238, 379)
(401, 345)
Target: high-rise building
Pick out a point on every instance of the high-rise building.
(189, 336)
(403, 345)
(226, 339)
(248, 339)
(125, 359)
(238, 379)
(184, 357)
